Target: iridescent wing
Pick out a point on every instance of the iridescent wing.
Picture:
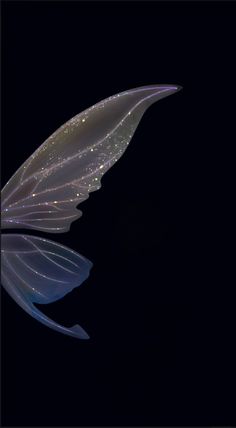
(60, 174)
(36, 270)
(45, 190)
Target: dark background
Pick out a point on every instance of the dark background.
(159, 304)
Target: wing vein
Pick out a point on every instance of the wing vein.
(51, 260)
(39, 273)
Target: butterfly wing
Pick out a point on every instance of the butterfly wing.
(45, 190)
(37, 270)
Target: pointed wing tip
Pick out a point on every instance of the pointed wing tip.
(162, 86)
(153, 93)
(169, 89)
(79, 332)
(179, 88)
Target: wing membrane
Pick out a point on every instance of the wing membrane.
(60, 174)
(36, 270)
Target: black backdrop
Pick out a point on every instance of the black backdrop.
(158, 304)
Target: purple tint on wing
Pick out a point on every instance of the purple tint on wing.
(46, 189)
(36, 270)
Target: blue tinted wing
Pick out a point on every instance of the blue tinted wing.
(37, 270)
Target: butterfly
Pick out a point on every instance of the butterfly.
(44, 192)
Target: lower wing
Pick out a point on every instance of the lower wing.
(37, 270)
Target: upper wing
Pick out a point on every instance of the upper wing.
(45, 190)
(37, 270)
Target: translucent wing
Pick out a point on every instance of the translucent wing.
(36, 270)
(45, 190)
